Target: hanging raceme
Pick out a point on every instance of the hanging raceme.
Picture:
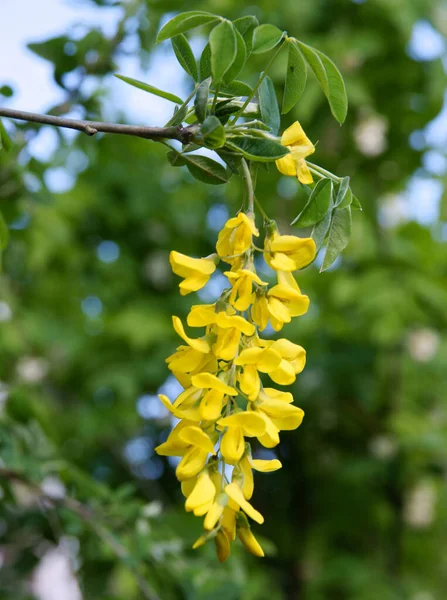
(225, 406)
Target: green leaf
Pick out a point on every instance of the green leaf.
(321, 229)
(330, 80)
(342, 190)
(268, 105)
(355, 204)
(201, 100)
(151, 89)
(265, 38)
(178, 116)
(201, 167)
(236, 88)
(339, 234)
(246, 26)
(347, 200)
(223, 49)
(296, 78)
(213, 133)
(185, 55)
(316, 206)
(5, 140)
(239, 61)
(184, 22)
(205, 63)
(260, 149)
(4, 233)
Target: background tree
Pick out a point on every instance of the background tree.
(358, 511)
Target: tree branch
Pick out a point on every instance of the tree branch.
(180, 133)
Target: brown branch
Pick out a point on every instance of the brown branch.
(177, 132)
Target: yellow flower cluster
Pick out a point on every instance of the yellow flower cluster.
(224, 403)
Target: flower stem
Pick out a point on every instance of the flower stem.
(322, 172)
(260, 80)
(246, 175)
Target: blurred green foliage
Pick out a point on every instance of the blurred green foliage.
(358, 511)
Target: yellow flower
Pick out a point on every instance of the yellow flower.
(240, 424)
(278, 415)
(259, 310)
(300, 147)
(202, 495)
(212, 401)
(200, 345)
(236, 237)
(247, 464)
(285, 302)
(288, 252)
(222, 545)
(246, 536)
(293, 360)
(228, 330)
(235, 493)
(196, 271)
(192, 463)
(242, 287)
(254, 359)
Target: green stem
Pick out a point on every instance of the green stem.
(260, 80)
(262, 211)
(190, 97)
(246, 175)
(216, 93)
(322, 172)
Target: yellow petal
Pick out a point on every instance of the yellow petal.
(235, 493)
(195, 436)
(260, 313)
(190, 413)
(248, 483)
(286, 165)
(265, 359)
(188, 486)
(229, 522)
(184, 265)
(287, 349)
(193, 283)
(201, 315)
(295, 136)
(232, 445)
(250, 422)
(200, 345)
(249, 541)
(250, 381)
(282, 262)
(211, 405)
(203, 492)
(279, 395)
(302, 172)
(227, 343)
(185, 360)
(265, 466)
(210, 381)
(278, 310)
(213, 516)
(191, 464)
(284, 374)
(222, 546)
(298, 306)
(226, 321)
(270, 438)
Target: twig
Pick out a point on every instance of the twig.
(183, 134)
